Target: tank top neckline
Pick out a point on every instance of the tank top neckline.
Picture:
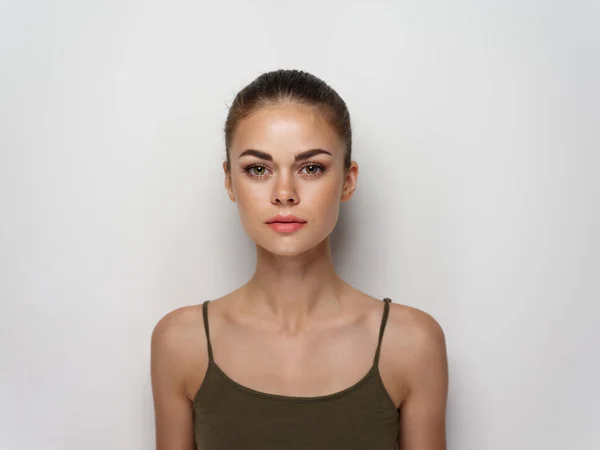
(373, 370)
(292, 398)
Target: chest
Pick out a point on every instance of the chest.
(319, 364)
(228, 415)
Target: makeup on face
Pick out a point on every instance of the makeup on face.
(310, 168)
(285, 223)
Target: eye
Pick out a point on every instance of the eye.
(313, 169)
(256, 170)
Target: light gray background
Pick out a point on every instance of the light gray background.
(477, 133)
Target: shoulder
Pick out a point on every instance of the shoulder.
(178, 326)
(178, 345)
(415, 344)
(420, 328)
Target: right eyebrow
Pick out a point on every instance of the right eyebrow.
(257, 153)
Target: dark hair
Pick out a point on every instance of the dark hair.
(291, 86)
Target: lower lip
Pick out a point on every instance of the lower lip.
(286, 227)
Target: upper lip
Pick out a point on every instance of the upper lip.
(287, 218)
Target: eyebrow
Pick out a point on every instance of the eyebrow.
(302, 156)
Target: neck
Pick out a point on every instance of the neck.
(294, 287)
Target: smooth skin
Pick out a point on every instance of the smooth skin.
(296, 328)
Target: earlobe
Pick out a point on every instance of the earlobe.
(228, 183)
(347, 193)
(350, 182)
(228, 188)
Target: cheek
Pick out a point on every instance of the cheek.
(246, 193)
(253, 203)
(324, 200)
(250, 197)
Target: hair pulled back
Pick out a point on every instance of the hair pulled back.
(282, 86)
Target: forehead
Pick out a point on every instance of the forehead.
(282, 128)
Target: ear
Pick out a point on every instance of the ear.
(228, 183)
(350, 182)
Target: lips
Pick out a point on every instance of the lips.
(279, 218)
(285, 224)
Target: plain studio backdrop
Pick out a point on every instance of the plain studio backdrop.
(476, 129)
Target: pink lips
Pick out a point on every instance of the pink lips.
(285, 224)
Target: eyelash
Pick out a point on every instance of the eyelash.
(322, 169)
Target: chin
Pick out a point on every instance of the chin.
(290, 245)
(285, 249)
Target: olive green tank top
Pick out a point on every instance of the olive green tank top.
(229, 416)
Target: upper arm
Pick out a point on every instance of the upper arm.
(172, 408)
(423, 411)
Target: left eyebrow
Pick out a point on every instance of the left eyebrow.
(308, 154)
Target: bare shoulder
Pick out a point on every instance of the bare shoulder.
(415, 328)
(410, 333)
(413, 351)
(178, 347)
(177, 327)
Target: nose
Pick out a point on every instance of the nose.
(284, 191)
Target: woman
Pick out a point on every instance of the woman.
(296, 358)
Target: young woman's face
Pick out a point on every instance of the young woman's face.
(287, 160)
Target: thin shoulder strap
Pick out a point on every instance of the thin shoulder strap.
(205, 315)
(386, 310)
